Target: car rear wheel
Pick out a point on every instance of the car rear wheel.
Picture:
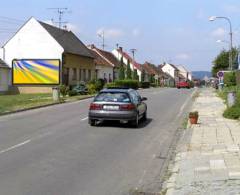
(135, 122)
(144, 118)
(92, 122)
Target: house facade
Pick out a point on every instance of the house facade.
(152, 72)
(185, 73)
(171, 70)
(38, 40)
(120, 54)
(106, 64)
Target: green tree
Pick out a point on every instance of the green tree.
(129, 71)
(135, 75)
(152, 79)
(121, 70)
(221, 62)
(143, 75)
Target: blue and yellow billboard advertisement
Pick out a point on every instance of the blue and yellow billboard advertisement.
(36, 72)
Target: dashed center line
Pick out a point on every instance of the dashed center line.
(15, 146)
(84, 119)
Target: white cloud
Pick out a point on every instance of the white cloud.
(136, 32)
(219, 32)
(232, 9)
(110, 33)
(182, 56)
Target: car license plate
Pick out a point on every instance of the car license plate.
(107, 107)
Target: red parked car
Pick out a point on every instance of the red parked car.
(183, 84)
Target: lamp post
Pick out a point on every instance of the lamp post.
(212, 18)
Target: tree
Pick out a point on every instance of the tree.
(121, 70)
(129, 71)
(221, 62)
(135, 75)
(152, 79)
(143, 75)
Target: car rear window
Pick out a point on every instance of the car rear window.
(112, 97)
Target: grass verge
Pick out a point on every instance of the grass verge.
(11, 103)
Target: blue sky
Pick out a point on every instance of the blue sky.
(161, 30)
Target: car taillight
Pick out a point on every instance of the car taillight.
(94, 106)
(127, 107)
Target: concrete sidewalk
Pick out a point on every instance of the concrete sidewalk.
(208, 157)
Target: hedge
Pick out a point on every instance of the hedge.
(134, 84)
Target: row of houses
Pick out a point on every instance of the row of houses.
(79, 63)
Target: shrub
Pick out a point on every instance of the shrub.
(193, 114)
(145, 84)
(229, 78)
(72, 93)
(91, 88)
(108, 85)
(63, 90)
(99, 83)
(232, 112)
(153, 84)
(134, 84)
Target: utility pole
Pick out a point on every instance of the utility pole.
(133, 53)
(61, 12)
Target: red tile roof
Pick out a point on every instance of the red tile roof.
(150, 68)
(98, 59)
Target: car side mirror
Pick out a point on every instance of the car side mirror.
(143, 99)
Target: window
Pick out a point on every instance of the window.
(80, 74)
(84, 75)
(89, 75)
(74, 74)
(112, 97)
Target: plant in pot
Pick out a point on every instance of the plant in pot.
(193, 117)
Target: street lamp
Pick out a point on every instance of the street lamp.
(213, 18)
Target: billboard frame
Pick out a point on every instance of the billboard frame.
(37, 84)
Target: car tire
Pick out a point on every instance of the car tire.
(144, 118)
(135, 122)
(92, 122)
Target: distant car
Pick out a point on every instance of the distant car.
(80, 89)
(183, 84)
(118, 104)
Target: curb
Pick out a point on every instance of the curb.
(42, 106)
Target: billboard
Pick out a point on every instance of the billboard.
(36, 72)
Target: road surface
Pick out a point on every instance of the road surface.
(53, 150)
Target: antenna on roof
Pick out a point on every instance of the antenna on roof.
(61, 11)
(102, 35)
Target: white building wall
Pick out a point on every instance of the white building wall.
(1, 53)
(167, 68)
(104, 70)
(32, 41)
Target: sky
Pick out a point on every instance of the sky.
(174, 31)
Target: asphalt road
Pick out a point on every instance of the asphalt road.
(53, 151)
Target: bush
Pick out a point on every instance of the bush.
(127, 83)
(72, 93)
(91, 88)
(153, 85)
(229, 78)
(232, 112)
(145, 84)
(99, 83)
(63, 90)
(108, 85)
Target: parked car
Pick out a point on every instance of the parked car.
(183, 84)
(80, 89)
(118, 104)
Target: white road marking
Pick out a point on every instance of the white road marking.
(84, 119)
(15, 146)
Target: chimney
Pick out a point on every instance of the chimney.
(120, 49)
